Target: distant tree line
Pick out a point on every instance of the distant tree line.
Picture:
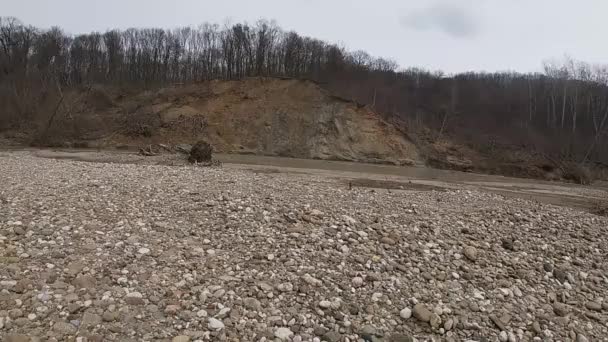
(561, 112)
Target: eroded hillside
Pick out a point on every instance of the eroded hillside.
(266, 116)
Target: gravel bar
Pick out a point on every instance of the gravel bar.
(123, 252)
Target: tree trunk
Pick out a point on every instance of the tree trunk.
(597, 136)
(374, 100)
(529, 102)
(445, 119)
(553, 114)
(564, 105)
(574, 111)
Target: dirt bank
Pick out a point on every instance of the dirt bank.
(263, 116)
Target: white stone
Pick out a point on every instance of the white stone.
(406, 313)
(8, 283)
(283, 334)
(348, 219)
(357, 281)
(143, 250)
(201, 313)
(325, 304)
(215, 324)
(503, 337)
(310, 280)
(362, 234)
(316, 212)
(517, 291)
(336, 303)
(478, 295)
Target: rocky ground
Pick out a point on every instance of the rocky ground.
(123, 252)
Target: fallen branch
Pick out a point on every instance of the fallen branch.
(147, 151)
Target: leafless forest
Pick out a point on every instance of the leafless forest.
(560, 113)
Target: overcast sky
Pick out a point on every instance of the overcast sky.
(451, 35)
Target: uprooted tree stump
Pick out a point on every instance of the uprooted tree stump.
(201, 152)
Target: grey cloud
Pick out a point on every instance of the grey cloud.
(447, 18)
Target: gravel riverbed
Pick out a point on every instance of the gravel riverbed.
(122, 252)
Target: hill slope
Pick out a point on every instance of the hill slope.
(266, 116)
